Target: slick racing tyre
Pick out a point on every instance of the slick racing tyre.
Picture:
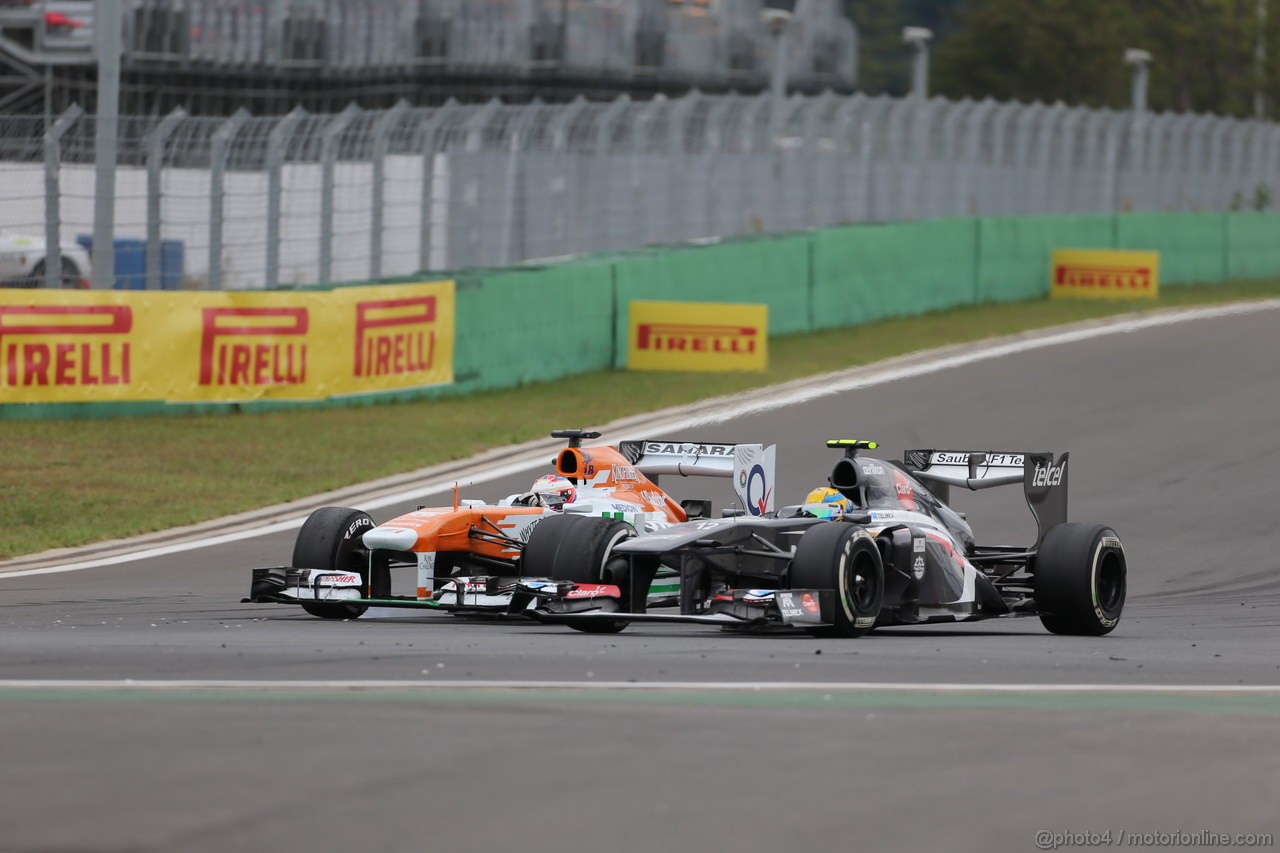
(330, 539)
(842, 556)
(1080, 579)
(577, 548)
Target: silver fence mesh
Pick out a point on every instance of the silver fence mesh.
(302, 198)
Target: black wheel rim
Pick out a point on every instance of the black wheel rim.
(1110, 582)
(862, 585)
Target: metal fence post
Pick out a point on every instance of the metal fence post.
(277, 141)
(942, 192)
(558, 131)
(53, 194)
(155, 163)
(968, 179)
(431, 142)
(219, 149)
(1005, 115)
(1059, 167)
(512, 246)
(474, 182)
(1110, 162)
(679, 119)
(867, 151)
(1026, 126)
(814, 110)
(328, 156)
(841, 191)
(642, 189)
(606, 124)
(1213, 172)
(381, 141)
(749, 218)
(713, 137)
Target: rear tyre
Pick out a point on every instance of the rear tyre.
(841, 556)
(577, 548)
(1081, 578)
(330, 539)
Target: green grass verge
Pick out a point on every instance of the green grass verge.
(68, 483)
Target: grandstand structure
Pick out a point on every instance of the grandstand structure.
(213, 57)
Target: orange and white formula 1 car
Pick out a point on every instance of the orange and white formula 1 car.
(471, 555)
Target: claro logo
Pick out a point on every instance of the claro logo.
(1102, 277)
(233, 352)
(394, 336)
(65, 345)
(697, 338)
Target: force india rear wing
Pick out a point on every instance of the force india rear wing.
(1044, 481)
(751, 466)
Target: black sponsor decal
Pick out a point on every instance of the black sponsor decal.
(689, 449)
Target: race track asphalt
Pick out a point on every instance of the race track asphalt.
(257, 727)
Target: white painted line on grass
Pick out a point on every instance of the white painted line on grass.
(840, 686)
(754, 402)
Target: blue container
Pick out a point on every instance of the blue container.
(131, 262)
(172, 259)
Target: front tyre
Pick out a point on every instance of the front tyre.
(843, 557)
(1081, 578)
(330, 540)
(578, 548)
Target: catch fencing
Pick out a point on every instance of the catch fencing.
(360, 195)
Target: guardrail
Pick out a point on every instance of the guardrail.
(841, 277)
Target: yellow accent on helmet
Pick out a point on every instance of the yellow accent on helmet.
(826, 502)
(822, 494)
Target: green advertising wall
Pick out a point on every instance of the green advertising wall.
(870, 273)
(531, 325)
(1192, 246)
(534, 323)
(1014, 254)
(1253, 245)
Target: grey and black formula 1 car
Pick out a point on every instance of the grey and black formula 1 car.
(896, 555)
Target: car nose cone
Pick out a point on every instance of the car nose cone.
(391, 538)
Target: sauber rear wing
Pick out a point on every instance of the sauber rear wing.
(1044, 481)
(750, 465)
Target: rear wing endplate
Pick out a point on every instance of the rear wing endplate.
(751, 466)
(1044, 480)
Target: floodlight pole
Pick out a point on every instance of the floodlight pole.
(919, 38)
(1260, 63)
(1139, 60)
(777, 19)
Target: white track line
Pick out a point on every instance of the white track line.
(759, 401)
(756, 686)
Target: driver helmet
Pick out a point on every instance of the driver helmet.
(553, 492)
(826, 502)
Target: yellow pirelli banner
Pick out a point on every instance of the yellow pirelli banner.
(64, 346)
(696, 336)
(1104, 274)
